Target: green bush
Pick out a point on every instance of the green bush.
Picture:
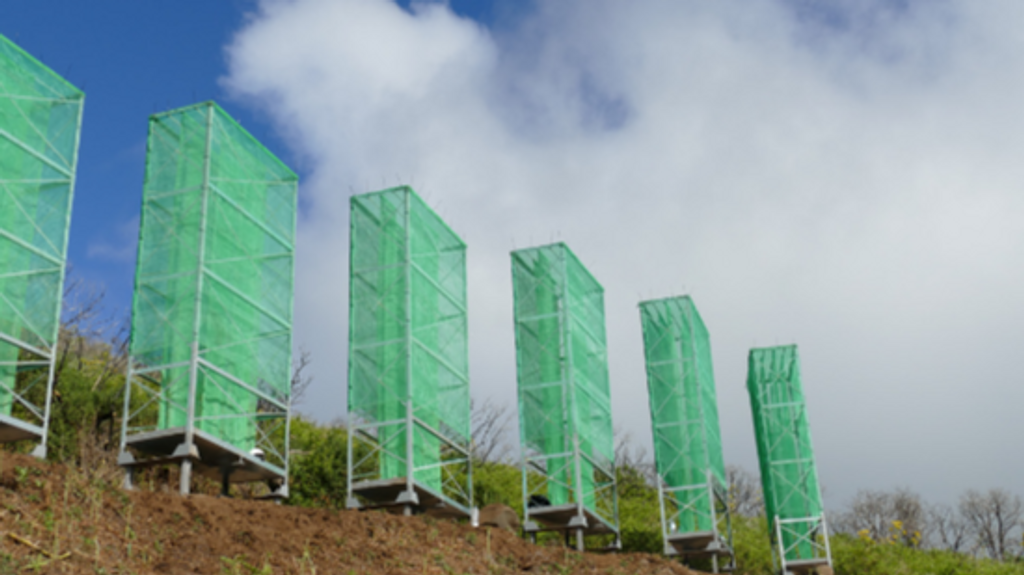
(639, 515)
(853, 555)
(752, 547)
(317, 471)
(498, 483)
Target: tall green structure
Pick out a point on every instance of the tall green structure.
(209, 376)
(565, 417)
(792, 496)
(40, 122)
(692, 486)
(408, 376)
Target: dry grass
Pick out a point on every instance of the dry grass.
(59, 519)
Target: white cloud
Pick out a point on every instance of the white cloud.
(847, 181)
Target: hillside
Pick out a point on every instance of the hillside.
(58, 519)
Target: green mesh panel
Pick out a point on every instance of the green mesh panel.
(40, 119)
(684, 410)
(788, 474)
(407, 329)
(562, 368)
(215, 267)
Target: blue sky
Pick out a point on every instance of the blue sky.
(133, 59)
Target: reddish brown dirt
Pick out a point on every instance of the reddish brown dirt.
(67, 520)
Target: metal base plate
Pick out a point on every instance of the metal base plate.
(389, 493)
(698, 544)
(567, 517)
(13, 429)
(212, 455)
(805, 565)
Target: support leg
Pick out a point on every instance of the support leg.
(185, 484)
(225, 482)
(579, 540)
(129, 478)
(714, 563)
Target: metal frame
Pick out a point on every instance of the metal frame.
(708, 499)
(147, 388)
(580, 520)
(36, 421)
(575, 517)
(715, 499)
(815, 535)
(364, 486)
(809, 531)
(363, 476)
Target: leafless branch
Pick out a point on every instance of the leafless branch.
(301, 378)
(745, 497)
(627, 454)
(898, 517)
(992, 518)
(949, 528)
(491, 422)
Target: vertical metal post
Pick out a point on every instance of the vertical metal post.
(828, 546)
(349, 467)
(283, 490)
(468, 407)
(661, 510)
(40, 450)
(714, 514)
(779, 549)
(409, 452)
(130, 376)
(577, 491)
(193, 378)
(565, 318)
(409, 420)
(526, 484)
(185, 479)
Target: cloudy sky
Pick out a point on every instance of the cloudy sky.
(847, 179)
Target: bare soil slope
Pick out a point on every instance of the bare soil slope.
(59, 519)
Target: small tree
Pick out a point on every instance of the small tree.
(897, 517)
(948, 527)
(992, 518)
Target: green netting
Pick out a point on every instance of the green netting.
(408, 347)
(562, 369)
(788, 474)
(40, 119)
(684, 409)
(215, 271)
